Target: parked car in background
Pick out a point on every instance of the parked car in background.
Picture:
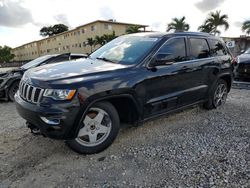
(242, 69)
(9, 81)
(131, 79)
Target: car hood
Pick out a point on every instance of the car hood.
(244, 58)
(12, 72)
(65, 70)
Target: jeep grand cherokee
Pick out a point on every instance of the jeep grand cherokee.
(131, 79)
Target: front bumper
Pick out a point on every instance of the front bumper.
(66, 112)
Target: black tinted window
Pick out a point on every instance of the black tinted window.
(217, 48)
(198, 48)
(73, 57)
(176, 48)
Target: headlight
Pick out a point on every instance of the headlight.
(59, 94)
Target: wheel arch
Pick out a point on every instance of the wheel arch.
(122, 103)
(228, 79)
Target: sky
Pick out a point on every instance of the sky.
(21, 20)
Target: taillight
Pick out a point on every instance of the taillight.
(234, 61)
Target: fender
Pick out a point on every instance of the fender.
(88, 104)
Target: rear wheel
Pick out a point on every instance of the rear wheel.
(99, 129)
(12, 90)
(218, 96)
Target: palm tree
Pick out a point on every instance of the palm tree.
(91, 42)
(133, 29)
(178, 25)
(246, 26)
(216, 20)
(205, 27)
(109, 37)
(99, 40)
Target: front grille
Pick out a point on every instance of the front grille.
(243, 68)
(30, 93)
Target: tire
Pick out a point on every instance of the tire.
(12, 90)
(213, 100)
(99, 129)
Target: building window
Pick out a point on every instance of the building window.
(78, 32)
(108, 26)
(83, 30)
(80, 45)
(93, 28)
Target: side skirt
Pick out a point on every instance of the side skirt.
(170, 112)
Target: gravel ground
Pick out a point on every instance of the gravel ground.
(193, 148)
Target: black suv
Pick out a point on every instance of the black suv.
(9, 81)
(131, 79)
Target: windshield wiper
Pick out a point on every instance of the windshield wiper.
(105, 59)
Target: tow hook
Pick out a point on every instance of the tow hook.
(33, 129)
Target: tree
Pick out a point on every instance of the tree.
(207, 28)
(109, 37)
(99, 40)
(91, 42)
(178, 25)
(133, 29)
(246, 26)
(216, 20)
(5, 54)
(53, 30)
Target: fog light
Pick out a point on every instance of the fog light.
(51, 121)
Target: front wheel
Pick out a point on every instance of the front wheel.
(12, 90)
(99, 129)
(218, 96)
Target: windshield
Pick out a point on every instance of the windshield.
(125, 50)
(248, 51)
(36, 62)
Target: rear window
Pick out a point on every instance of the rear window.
(217, 48)
(198, 48)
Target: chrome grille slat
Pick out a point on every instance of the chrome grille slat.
(30, 93)
(33, 95)
(40, 95)
(27, 92)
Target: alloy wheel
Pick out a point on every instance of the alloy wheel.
(96, 128)
(220, 95)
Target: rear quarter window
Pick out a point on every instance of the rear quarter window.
(217, 48)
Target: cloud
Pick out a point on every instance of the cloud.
(12, 14)
(62, 18)
(206, 5)
(155, 26)
(237, 24)
(106, 13)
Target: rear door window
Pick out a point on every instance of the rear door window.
(198, 48)
(176, 47)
